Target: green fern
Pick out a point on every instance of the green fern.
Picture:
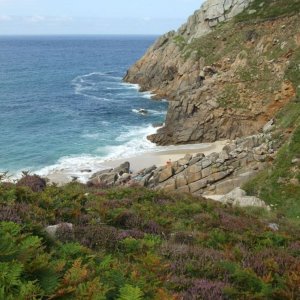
(93, 290)
(29, 291)
(10, 274)
(8, 233)
(48, 280)
(128, 292)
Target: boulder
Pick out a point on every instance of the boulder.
(198, 185)
(238, 197)
(124, 178)
(169, 186)
(269, 126)
(52, 229)
(196, 158)
(219, 175)
(185, 160)
(148, 170)
(273, 226)
(206, 162)
(195, 168)
(206, 172)
(181, 181)
(165, 174)
(109, 177)
(123, 168)
(224, 156)
(183, 189)
(192, 177)
(101, 173)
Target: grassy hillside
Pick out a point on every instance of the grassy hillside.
(139, 244)
(279, 185)
(261, 10)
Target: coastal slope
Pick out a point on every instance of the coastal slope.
(226, 72)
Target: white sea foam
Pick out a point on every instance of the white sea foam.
(148, 95)
(70, 166)
(92, 136)
(132, 86)
(85, 84)
(134, 141)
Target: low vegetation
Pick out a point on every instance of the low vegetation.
(261, 10)
(134, 243)
(279, 185)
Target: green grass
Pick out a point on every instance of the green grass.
(230, 98)
(293, 72)
(179, 40)
(269, 9)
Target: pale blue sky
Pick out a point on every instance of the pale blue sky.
(94, 16)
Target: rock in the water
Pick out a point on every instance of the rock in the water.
(86, 171)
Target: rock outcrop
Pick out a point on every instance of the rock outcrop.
(223, 80)
(238, 197)
(210, 15)
(53, 230)
(111, 177)
(217, 173)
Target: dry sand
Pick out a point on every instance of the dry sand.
(144, 160)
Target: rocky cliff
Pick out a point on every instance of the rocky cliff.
(226, 72)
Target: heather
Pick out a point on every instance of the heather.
(133, 243)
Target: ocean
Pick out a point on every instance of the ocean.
(63, 105)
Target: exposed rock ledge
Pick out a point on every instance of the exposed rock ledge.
(217, 173)
(212, 99)
(214, 174)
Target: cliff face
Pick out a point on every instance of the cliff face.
(224, 72)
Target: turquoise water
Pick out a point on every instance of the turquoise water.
(63, 102)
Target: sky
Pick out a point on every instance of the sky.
(23, 17)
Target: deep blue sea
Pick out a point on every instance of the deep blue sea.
(63, 103)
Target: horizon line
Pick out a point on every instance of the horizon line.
(81, 34)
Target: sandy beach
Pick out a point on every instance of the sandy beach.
(138, 162)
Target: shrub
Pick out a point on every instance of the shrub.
(97, 237)
(34, 182)
(153, 227)
(127, 220)
(9, 214)
(186, 238)
(65, 233)
(205, 289)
